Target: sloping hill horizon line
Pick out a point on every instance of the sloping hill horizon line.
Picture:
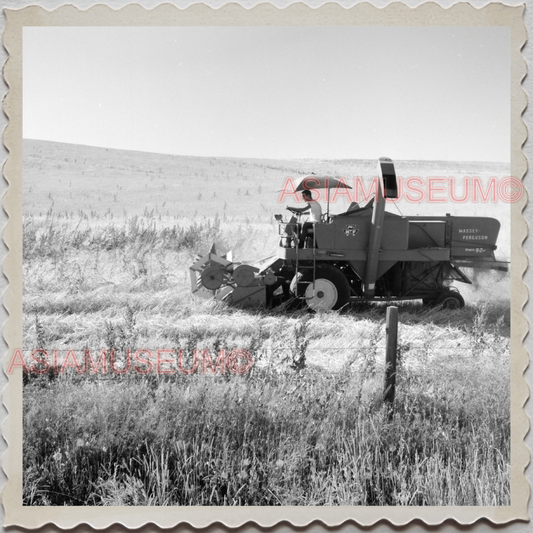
(269, 159)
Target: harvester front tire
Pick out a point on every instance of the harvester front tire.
(450, 300)
(331, 291)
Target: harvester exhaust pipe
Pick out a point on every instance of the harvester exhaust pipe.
(386, 188)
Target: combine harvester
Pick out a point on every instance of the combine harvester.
(365, 254)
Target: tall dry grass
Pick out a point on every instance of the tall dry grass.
(289, 433)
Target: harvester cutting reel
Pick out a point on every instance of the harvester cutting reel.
(216, 275)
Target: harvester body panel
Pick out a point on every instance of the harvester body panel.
(351, 231)
(474, 237)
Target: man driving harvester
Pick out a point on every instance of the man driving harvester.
(315, 214)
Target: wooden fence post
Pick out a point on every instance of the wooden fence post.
(390, 358)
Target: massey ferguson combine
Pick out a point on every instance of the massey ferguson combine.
(365, 254)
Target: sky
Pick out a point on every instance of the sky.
(436, 93)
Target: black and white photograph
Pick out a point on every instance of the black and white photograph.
(267, 265)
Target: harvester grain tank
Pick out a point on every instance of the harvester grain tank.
(363, 254)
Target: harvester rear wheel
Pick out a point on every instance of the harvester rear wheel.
(450, 300)
(331, 290)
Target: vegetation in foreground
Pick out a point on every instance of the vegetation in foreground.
(285, 434)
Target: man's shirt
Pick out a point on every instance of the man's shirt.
(316, 212)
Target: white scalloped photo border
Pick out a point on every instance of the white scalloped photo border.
(462, 14)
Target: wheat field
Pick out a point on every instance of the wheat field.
(108, 238)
